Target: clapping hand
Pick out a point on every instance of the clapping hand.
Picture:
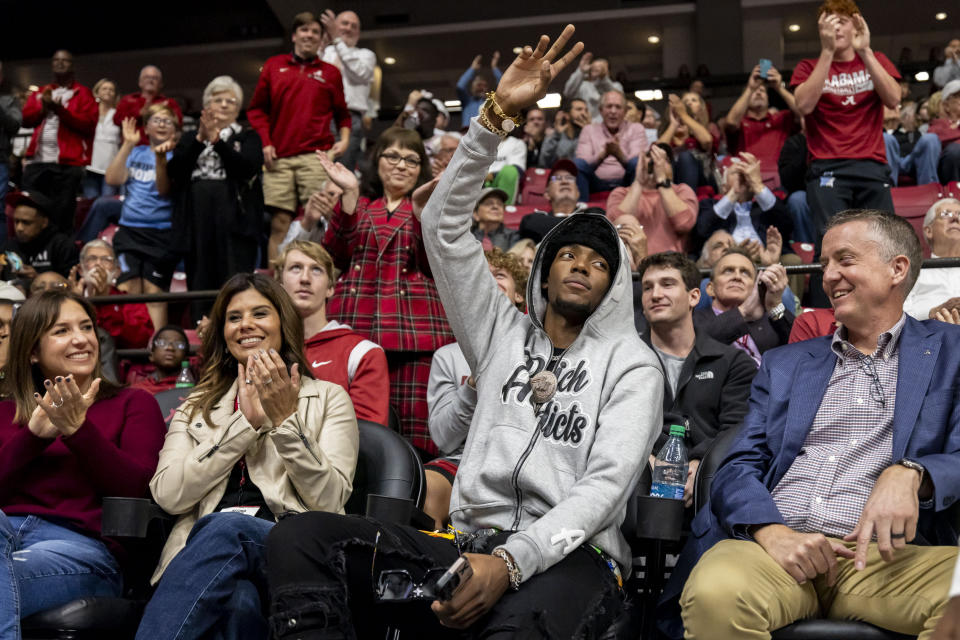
(585, 63)
(660, 163)
(207, 129)
(421, 195)
(165, 147)
(329, 21)
(526, 79)
(775, 279)
(770, 254)
(861, 34)
(341, 176)
(828, 25)
(495, 60)
(276, 392)
(65, 405)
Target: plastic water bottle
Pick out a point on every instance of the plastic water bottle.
(185, 379)
(670, 467)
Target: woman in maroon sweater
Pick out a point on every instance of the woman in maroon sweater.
(60, 453)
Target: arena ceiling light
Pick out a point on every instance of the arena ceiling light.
(654, 39)
(941, 16)
(794, 28)
(647, 95)
(922, 76)
(389, 60)
(549, 101)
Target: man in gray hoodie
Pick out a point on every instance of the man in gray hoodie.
(568, 406)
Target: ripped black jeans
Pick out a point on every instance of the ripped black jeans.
(322, 582)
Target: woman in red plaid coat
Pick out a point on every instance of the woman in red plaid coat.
(386, 290)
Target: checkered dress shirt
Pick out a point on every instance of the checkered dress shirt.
(849, 444)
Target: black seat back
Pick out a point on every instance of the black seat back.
(387, 465)
(709, 465)
(169, 400)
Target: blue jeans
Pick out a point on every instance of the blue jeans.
(213, 587)
(800, 214)
(44, 565)
(95, 186)
(104, 211)
(588, 182)
(922, 159)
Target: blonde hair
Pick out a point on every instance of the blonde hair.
(312, 250)
(158, 107)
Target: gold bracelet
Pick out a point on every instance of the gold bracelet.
(513, 571)
(491, 96)
(487, 124)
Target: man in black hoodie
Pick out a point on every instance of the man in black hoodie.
(39, 246)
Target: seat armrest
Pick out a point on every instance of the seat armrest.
(129, 517)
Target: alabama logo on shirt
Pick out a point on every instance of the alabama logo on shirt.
(849, 84)
(317, 75)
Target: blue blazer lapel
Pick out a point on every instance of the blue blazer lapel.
(810, 379)
(919, 349)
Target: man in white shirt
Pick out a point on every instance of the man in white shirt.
(357, 67)
(936, 288)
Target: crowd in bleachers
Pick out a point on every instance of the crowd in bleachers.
(333, 305)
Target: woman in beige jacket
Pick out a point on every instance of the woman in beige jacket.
(256, 440)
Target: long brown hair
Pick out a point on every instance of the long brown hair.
(372, 186)
(221, 367)
(33, 320)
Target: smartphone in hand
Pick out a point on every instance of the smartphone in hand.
(454, 578)
(765, 65)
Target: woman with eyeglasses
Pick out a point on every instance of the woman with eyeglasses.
(168, 347)
(68, 438)
(386, 292)
(257, 439)
(218, 198)
(143, 241)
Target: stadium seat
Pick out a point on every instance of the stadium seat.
(169, 400)
(804, 250)
(912, 203)
(107, 234)
(952, 190)
(534, 186)
(513, 214)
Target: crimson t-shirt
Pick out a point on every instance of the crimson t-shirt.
(764, 138)
(848, 119)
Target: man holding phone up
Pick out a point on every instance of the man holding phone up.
(568, 406)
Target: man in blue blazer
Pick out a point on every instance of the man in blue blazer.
(837, 486)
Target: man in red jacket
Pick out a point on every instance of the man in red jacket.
(130, 323)
(64, 117)
(135, 105)
(297, 98)
(335, 352)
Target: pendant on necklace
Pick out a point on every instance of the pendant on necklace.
(543, 385)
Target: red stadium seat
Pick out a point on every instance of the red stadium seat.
(912, 203)
(804, 250)
(534, 186)
(952, 190)
(179, 282)
(193, 338)
(514, 213)
(107, 234)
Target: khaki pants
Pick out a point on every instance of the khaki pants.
(738, 591)
(292, 181)
(797, 281)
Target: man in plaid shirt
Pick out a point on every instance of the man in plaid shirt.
(838, 485)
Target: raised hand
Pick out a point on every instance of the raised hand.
(131, 135)
(660, 161)
(861, 34)
(526, 79)
(828, 25)
(341, 176)
(329, 21)
(278, 391)
(207, 129)
(775, 278)
(248, 401)
(774, 79)
(751, 171)
(495, 60)
(771, 253)
(421, 195)
(65, 405)
(75, 280)
(585, 62)
(475, 65)
(755, 79)
(39, 423)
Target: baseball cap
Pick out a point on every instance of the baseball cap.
(492, 191)
(949, 89)
(564, 164)
(31, 198)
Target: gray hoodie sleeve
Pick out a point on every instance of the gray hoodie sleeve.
(479, 314)
(450, 405)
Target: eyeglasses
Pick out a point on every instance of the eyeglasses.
(107, 260)
(39, 287)
(563, 178)
(163, 342)
(948, 214)
(393, 159)
(165, 122)
(224, 100)
(876, 388)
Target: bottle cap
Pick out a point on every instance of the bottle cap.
(186, 363)
(678, 430)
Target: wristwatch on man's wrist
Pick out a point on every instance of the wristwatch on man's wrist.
(916, 466)
(777, 312)
(666, 183)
